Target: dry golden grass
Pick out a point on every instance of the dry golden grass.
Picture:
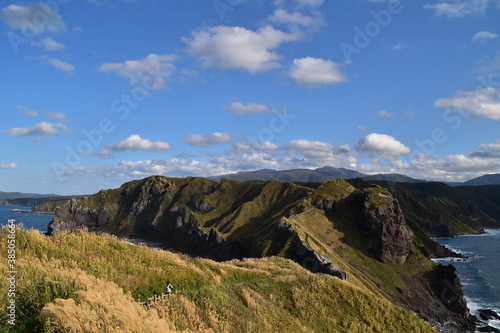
(82, 282)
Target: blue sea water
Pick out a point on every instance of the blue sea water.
(480, 274)
(37, 221)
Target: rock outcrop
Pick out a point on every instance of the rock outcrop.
(383, 222)
(379, 218)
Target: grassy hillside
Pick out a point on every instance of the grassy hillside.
(81, 282)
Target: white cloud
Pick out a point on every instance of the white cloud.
(384, 114)
(314, 72)
(484, 102)
(56, 116)
(154, 70)
(483, 36)
(34, 18)
(381, 144)
(238, 108)
(8, 166)
(208, 140)
(136, 143)
(40, 129)
(247, 147)
(312, 3)
(282, 16)
(27, 111)
(400, 46)
(237, 47)
(49, 44)
(316, 154)
(104, 154)
(363, 128)
(62, 65)
(459, 8)
(490, 146)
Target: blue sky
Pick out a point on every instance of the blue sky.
(95, 93)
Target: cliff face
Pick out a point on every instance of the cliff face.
(378, 217)
(389, 237)
(333, 229)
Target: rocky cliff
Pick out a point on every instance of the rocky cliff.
(334, 229)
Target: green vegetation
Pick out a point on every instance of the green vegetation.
(333, 189)
(82, 282)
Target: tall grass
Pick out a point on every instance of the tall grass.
(83, 282)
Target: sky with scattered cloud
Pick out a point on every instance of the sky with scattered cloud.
(100, 92)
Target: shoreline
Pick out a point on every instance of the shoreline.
(474, 301)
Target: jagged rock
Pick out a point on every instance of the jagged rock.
(285, 228)
(317, 262)
(389, 237)
(215, 239)
(488, 314)
(446, 285)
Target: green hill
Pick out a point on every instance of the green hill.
(82, 282)
(355, 231)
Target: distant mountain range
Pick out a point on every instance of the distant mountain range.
(318, 175)
(19, 195)
(329, 173)
(491, 179)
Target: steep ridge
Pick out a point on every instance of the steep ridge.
(337, 229)
(440, 210)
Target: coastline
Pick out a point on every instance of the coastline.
(466, 266)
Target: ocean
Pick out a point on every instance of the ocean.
(29, 220)
(480, 273)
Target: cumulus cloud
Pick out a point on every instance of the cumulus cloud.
(8, 166)
(40, 129)
(317, 153)
(458, 8)
(381, 144)
(483, 36)
(238, 108)
(236, 47)
(35, 18)
(313, 72)
(245, 147)
(484, 102)
(208, 140)
(490, 146)
(136, 143)
(154, 70)
(49, 44)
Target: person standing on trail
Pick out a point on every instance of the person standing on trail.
(169, 288)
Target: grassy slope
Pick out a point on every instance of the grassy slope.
(86, 282)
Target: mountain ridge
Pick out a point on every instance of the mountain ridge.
(351, 230)
(330, 173)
